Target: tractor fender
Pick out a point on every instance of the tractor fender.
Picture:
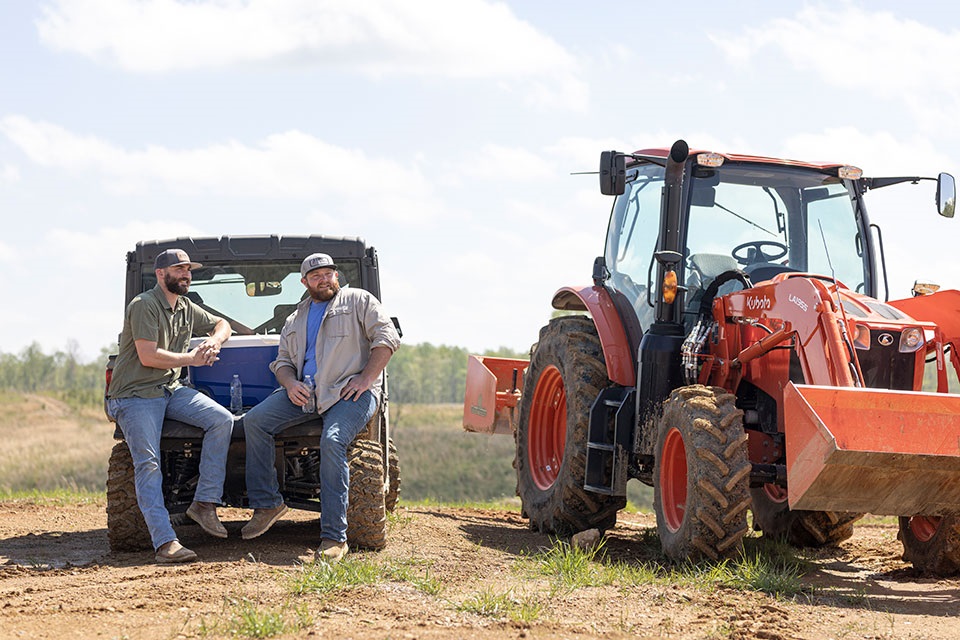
(616, 348)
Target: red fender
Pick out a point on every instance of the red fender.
(613, 339)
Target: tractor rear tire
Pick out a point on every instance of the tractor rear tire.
(932, 544)
(126, 528)
(815, 529)
(565, 375)
(701, 491)
(366, 509)
(393, 493)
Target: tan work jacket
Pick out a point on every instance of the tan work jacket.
(353, 324)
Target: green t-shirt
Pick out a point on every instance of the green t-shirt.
(150, 317)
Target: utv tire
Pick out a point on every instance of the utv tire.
(815, 529)
(932, 543)
(565, 375)
(393, 493)
(701, 475)
(366, 510)
(126, 528)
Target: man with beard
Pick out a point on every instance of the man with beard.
(145, 387)
(343, 339)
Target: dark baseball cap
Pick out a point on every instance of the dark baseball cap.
(316, 261)
(173, 257)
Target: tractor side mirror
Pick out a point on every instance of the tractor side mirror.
(613, 173)
(946, 195)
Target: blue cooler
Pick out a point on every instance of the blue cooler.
(246, 356)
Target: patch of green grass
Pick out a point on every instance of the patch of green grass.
(248, 619)
(503, 605)
(356, 571)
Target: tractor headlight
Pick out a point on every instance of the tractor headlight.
(911, 339)
(861, 339)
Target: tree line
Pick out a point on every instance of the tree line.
(419, 373)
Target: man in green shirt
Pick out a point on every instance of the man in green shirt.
(145, 387)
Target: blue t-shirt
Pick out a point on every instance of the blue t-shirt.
(314, 318)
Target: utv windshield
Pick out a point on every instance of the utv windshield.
(255, 298)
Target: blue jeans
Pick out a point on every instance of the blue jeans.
(341, 424)
(141, 420)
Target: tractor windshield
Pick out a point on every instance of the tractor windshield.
(767, 219)
(762, 219)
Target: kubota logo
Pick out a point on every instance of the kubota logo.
(756, 303)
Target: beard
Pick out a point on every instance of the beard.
(174, 285)
(325, 291)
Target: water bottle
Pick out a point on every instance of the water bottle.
(311, 405)
(236, 395)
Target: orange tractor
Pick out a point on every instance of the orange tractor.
(732, 353)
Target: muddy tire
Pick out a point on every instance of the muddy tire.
(815, 529)
(366, 511)
(126, 528)
(566, 372)
(932, 544)
(393, 463)
(701, 476)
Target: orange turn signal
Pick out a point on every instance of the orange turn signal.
(670, 286)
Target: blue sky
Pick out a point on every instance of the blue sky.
(443, 132)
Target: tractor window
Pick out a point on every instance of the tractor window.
(767, 220)
(632, 236)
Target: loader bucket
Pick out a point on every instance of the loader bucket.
(872, 451)
(492, 394)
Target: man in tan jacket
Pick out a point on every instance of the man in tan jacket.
(343, 340)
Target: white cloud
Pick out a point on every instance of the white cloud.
(284, 165)
(506, 164)
(467, 39)
(9, 173)
(877, 53)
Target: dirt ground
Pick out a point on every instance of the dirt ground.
(58, 579)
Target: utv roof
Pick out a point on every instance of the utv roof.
(734, 157)
(267, 247)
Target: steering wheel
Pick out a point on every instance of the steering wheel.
(755, 252)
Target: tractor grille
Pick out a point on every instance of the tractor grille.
(884, 367)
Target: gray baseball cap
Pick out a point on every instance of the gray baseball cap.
(173, 257)
(316, 261)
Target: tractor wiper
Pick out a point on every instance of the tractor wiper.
(734, 213)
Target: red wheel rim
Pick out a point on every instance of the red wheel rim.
(673, 479)
(547, 429)
(775, 492)
(924, 528)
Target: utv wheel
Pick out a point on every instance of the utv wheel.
(366, 511)
(566, 372)
(393, 493)
(126, 528)
(932, 543)
(701, 475)
(816, 529)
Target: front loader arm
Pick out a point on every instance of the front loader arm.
(795, 309)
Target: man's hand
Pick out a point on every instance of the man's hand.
(207, 352)
(298, 393)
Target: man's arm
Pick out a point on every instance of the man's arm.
(204, 354)
(379, 357)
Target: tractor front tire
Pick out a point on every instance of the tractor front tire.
(701, 489)
(565, 375)
(815, 529)
(932, 543)
(126, 528)
(366, 509)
